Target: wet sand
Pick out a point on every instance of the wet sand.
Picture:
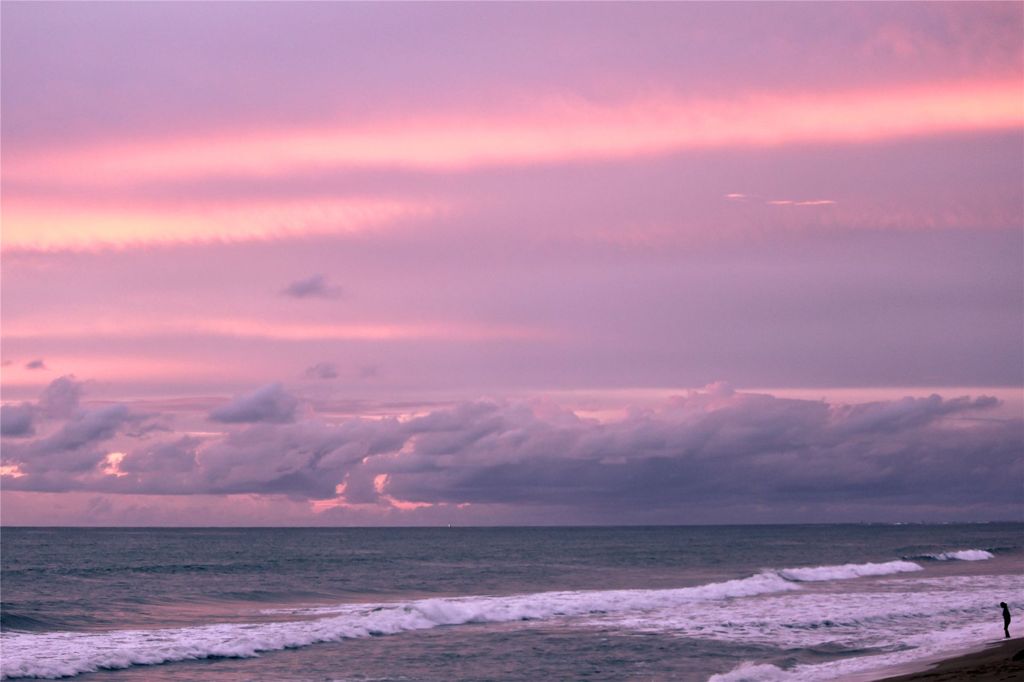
(1002, 661)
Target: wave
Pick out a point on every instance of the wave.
(961, 555)
(912, 650)
(11, 620)
(751, 672)
(64, 654)
(847, 571)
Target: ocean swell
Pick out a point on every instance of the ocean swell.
(62, 654)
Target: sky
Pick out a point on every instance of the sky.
(500, 263)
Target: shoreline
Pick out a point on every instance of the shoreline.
(999, 660)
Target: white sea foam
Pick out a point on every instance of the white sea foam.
(752, 672)
(892, 622)
(60, 654)
(64, 654)
(922, 647)
(847, 571)
(962, 555)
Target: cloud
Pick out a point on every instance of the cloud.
(35, 364)
(70, 456)
(801, 202)
(305, 460)
(171, 458)
(16, 420)
(87, 428)
(548, 130)
(87, 225)
(368, 372)
(269, 403)
(709, 448)
(899, 415)
(60, 398)
(312, 287)
(714, 449)
(322, 370)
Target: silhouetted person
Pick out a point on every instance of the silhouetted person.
(1006, 618)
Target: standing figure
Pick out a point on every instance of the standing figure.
(1006, 618)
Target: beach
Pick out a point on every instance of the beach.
(999, 661)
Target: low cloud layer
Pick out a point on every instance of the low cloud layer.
(714, 449)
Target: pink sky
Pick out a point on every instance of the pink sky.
(325, 215)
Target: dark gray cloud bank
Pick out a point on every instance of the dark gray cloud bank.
(712, 455)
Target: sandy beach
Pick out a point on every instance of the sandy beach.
(1002, 661)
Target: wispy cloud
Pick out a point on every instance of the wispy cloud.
(322, 370)
(315, 286)
(748, 198)
(801, 202)
(549, 132)
(366, 372)
(39, 225)
(282, 330)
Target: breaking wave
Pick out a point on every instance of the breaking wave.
(962, 555)
(847, 571)
(62, 654)
(751, 672)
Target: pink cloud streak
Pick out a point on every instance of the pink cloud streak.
(557, 130)
(41, 225)
(276, 330)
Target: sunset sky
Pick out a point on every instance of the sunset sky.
(389, 263)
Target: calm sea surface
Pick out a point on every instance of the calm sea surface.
(664, 603)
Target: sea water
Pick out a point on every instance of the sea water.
(813, 602)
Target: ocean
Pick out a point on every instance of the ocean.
(724, 603)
